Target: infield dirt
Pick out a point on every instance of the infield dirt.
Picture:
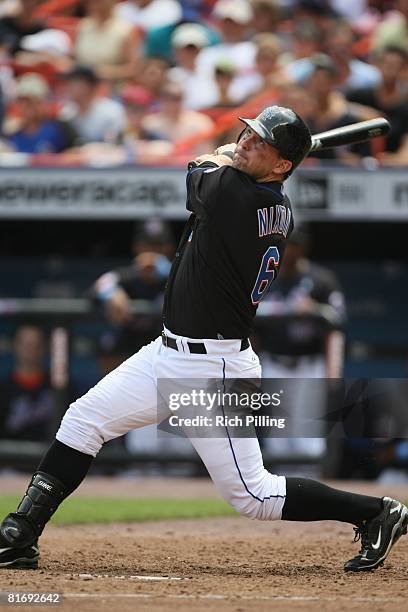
(210, 564)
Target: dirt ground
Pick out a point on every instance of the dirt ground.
(203, 565)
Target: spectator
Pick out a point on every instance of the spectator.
(233, 18)
(306, 41)
(175, 124)
(153, 74)
(390, 97)
(158, 41)
(350, 72)
(20, 23)
(137, 101)
(50, 47)
(266, 15)
(96, 118)
(148, 14)
(26, 402)
(35, 131)
(139, 142)
(393, 30)
(199, 90)
(268, 64)
(329, 109)
(320, 12)
(350, 9)
(107, 42)
(224, 78)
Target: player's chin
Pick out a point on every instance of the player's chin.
(239, 163)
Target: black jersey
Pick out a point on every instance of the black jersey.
(229, 254)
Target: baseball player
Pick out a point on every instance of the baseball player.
(301, 337)
(229, 253)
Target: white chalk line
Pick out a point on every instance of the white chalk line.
(213, 596)
(104, 576)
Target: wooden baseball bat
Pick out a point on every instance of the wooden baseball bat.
(350, 134)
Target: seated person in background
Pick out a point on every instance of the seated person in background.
(26, 402)
(107, 42)
(199, 90)
(152, 74)
(34, 130)
(350, 72)
(174, 123)
(48, 50)
(137, 141)
(19, 22)
(148, 14)
(270, 73)
(95, 118)
(144, 279)
(390, 98)
(330, 109)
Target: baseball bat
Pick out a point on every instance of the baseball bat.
(350, 134)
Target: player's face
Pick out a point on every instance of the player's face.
(259, 159)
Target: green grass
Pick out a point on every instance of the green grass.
(110, 509)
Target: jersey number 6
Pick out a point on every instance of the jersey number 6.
(266, 274)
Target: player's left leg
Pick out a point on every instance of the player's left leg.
(125, 399)
(379, 522)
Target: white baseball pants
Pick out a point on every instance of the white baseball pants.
(126, 399)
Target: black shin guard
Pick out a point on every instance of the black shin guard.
(43, 496)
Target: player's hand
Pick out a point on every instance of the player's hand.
(227, 149)
(305, 305)
(220, 160)
(118, 307)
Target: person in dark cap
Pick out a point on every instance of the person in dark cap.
(303, 308)
(96, 118)
(302, 336)
(144, 279)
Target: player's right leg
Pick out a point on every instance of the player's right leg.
(125, 399)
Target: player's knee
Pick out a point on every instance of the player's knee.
(258, 503)
(78, 432)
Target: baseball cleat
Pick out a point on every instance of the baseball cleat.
(19, 558)
(378, 536)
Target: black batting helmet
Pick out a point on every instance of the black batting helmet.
(285, 130)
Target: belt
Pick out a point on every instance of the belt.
(196, 347)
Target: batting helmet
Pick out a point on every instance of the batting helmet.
(283, 129)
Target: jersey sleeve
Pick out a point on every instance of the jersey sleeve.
(208, 185)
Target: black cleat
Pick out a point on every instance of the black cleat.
(19, 558)
(378, 536)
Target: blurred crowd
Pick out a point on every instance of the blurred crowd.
(154, 81)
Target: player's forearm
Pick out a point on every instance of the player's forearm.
(335, 354)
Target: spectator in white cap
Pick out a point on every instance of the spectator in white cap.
(36, 131)
(233, 19)
(148, 14)
(49, 46)
(200, 91)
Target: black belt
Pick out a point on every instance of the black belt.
(196, 347)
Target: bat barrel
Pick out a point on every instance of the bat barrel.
(350, 134)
